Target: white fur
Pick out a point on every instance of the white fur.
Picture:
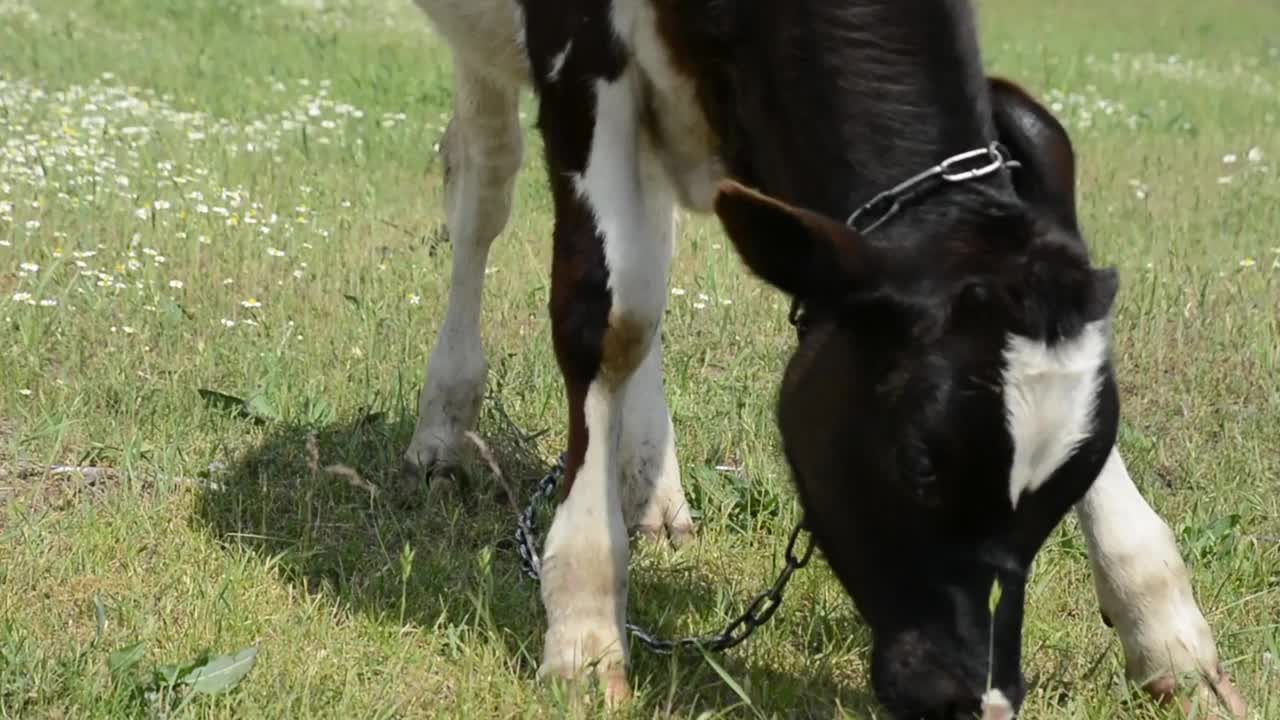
(487, 35)
(1142, 583)
(557, 62)
(584, 563)
(1049, 398)
(692, 168)
(483, 148)
(653, 499)
(996, 706)
(631, 203)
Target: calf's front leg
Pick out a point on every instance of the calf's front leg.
(613, 230)
(1144, 591)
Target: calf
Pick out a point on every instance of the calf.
(951, 395)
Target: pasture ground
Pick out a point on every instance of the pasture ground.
(244, 197)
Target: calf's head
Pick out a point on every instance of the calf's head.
(950, 398)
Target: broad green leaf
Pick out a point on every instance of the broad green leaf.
(260, 407)
(223, 400)
(125, 659)
(166, 675)
(221, 673)
(171, 675)
(256, 408)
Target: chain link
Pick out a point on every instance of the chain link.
(758, 612)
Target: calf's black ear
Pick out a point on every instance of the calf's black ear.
(798, 251)
(1046, 180)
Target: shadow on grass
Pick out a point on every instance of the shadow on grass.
(402, 556)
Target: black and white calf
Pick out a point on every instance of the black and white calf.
(951, 396)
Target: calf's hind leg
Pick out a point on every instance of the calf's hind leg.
(482, 151)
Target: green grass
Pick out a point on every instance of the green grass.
(367, 606)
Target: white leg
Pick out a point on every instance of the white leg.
(584, 564)
(1144, 589)
(653, 499)
(623, 191)
(482, 151)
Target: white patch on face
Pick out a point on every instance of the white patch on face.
(1050, 395)
(995, 706)
(557, 62)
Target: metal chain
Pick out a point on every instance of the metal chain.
(885, 205)
(758, 612)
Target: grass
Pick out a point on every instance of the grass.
(244, 197)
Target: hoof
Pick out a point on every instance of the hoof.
(1216, 698)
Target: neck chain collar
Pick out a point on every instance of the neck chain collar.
(959, 168)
